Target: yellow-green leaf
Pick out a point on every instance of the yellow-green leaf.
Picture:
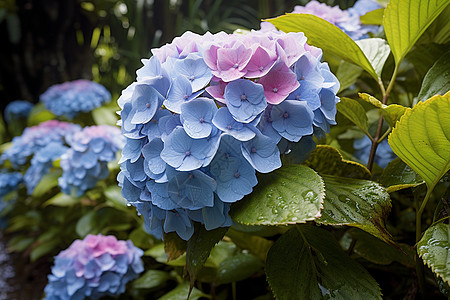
(376, 51)
(422, 138)
(404, 22)
(353, 111)
(374, 17)
(325, 35)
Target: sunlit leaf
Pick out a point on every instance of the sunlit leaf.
(322, 34)
(291, 194)
(354, 202)
(307, 263)
(434, 247)
(374, 17)
(376, 51)
(421, 138)
(404, 22)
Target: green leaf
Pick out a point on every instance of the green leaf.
(374, 17)
(377, 251)
(371, 99)
(174, 246)
(159, 254)
(354, 202)
(437, 79)
(49, 181)
(238, 267)
(404, 22)
(87, 224)
(307, 263)
(289, 195)
(254, 244)
(392, 113)
(20, 243)
(421, 138)
(199, 247)
(327, 160)
(105, 116)
(376, 51)
(353, 111)
(181, 293)
(61, 199)
(347, 74)
(39, 114)
(152, 279)
(433, 248)
(141, 238)
(323, 34)
(397, 176)
(114, 198)
(43, 249)
(13, 26)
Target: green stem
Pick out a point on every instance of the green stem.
(384, 135)
(419, 214)
(376, 139)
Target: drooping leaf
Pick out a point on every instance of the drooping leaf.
(376, 51)
(377, 251)
(322, 34)
(374, 17)
(181, 292)
(347, 74)
(391, 113)
(61, 199)
(434, 247)
(371, 99)
(152, 279)
(307, 263)
(397, 176)
(328, 160)
(437, 79)
(174, 246)
(421, 138)
(87, 224)
(199, 247)
(254, 244)
(355, 112)
(238, 267)
(291, 194)
(354, 202)
(404, 22)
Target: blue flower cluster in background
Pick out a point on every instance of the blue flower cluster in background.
(208, 112)
(17, 110)
(86, 162)
(92, 268)
(383, 155)
(9, 182)
(71, 98)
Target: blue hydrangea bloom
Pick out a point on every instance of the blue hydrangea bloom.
(17, 110)
(245, 99)
(92, 268)
(71, 98)
(41, 163)
(232, 103)
(9, 181)
(383, 155)
(33, 139)
(85, 163)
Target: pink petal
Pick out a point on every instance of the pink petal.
(260, 63)
(279, 83)
(210, 57)
(217, 91)
(293, 46)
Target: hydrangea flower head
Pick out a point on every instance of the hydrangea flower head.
(231, 101)
(9, 181)
(85, 163)
(92, 268)
(18, 109)
(73, 97)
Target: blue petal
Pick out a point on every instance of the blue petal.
(196, 116)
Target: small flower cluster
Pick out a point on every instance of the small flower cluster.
(347, 20)
(71, 98)
(17, 110)
(92, 268)
(383, 155)
(207, 112)
(86, 161)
